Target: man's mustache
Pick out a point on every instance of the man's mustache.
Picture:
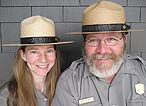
(103, 56)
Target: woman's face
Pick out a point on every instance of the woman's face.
(40, 59)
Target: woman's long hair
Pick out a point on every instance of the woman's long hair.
(21, 86)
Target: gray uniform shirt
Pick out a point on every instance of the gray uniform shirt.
(42, 100)
(78, 87)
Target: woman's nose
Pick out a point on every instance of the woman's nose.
(43, 57)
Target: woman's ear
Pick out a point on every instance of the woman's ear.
(23, 56)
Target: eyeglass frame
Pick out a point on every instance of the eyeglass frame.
(105, 41)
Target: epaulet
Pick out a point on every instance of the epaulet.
(138, 58)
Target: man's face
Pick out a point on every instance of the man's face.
(104, 50)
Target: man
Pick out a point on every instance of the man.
(106, 76)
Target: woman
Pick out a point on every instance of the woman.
(36, 66)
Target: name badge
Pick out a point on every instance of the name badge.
(139, 88)
(86, 100)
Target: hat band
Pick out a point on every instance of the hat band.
(105, 27)
(38, 40)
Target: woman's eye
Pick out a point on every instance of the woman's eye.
(33, 52)
(51, 50)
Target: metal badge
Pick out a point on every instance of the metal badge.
(139, 88)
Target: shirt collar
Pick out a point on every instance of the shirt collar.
(87, 73)
(131, 65)
(128, 68)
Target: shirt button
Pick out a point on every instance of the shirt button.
(45, 99)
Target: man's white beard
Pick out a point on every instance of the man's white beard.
(105, 72)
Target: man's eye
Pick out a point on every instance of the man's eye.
(92, 40)
(112, 39)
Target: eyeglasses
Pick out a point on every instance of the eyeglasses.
(111, 41)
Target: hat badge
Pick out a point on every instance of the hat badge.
(124, 26)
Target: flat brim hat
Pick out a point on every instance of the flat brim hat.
(104, 16)
(38, 30)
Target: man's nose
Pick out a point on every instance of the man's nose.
(102, 47)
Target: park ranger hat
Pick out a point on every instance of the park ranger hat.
(38, 30)
(104, 16)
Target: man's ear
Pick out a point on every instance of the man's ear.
(23, 56)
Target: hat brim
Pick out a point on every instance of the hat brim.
(82, 33)
(39, 44)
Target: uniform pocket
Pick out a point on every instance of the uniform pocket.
(96, 102)
(134, 104)
(91, 104)
(137, 100)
